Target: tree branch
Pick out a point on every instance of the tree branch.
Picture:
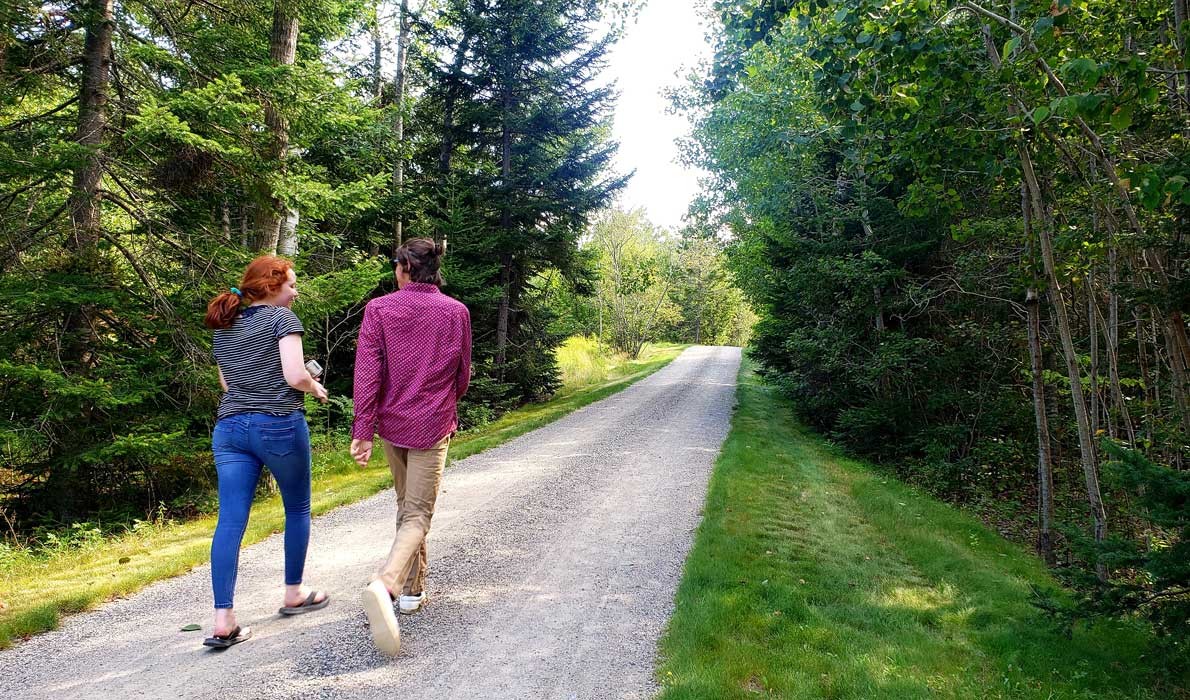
(181, 338)
(28, 120)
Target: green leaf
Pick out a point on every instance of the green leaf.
(857, 106)
(1042, 26)
(841, 15)
(1083, 72)
(191, 627)
(1065, 106)
(1011, 46)
(1088, 105)
(1039, 114)
(1121, 118)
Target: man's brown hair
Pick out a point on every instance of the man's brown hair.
(421, 258)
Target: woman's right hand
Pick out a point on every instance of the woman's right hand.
(318, 390)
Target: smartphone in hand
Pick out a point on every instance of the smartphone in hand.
(314, 368)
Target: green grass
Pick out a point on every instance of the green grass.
(36, 590)
(815, 576)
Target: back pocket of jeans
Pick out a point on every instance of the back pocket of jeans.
(277, 442)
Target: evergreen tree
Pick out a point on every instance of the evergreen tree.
(133, 144)
(523, 162)
(149, 149)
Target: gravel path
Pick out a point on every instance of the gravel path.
(554, 560)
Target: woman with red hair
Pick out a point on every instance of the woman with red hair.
(261, 422)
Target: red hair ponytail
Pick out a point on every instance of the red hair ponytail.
(262, 279)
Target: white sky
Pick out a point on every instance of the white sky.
(657, 50)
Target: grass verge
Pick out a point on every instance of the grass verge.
(35, 592)
(815, 576)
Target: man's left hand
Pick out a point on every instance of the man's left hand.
(361, 451)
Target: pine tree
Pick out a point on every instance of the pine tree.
(524, 161)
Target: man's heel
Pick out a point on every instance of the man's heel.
(378, 606)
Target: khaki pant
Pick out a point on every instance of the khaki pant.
(416, 477)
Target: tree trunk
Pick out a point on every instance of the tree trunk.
(244, 228)
(1093, 339)
(1085, 438)
(287, 242)
(505, 226)
(502, 312)
(80, 339)
(599, 338)
(377, 79)
(1142, 360)
(1181, 14)
(282, 51)
(399, 98)
(377, 50)
(85, 192)
(1175, 322)
(1178, 348)
(1154, 334)
(1181, 93)
(1045, 470)
(225, 220)
(453, 81)
(877, 300)
(1113, 339)
(92, 129)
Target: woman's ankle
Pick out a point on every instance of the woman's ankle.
(225, 619)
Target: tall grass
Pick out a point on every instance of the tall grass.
(584, 361)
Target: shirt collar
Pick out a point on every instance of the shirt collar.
(423, 287)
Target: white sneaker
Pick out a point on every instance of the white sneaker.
(412, 603)
(378, 605)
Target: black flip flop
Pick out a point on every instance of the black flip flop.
(239, 634)
(308, 605)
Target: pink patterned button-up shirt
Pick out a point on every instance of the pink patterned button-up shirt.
(412, 364)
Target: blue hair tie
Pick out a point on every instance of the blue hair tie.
(236, 292)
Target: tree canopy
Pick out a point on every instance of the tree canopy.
(963, 226)
(148, 150)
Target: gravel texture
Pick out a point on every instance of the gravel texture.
(553, 564)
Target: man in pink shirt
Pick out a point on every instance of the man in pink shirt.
(412, 364)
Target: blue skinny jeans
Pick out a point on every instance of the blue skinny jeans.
(242, 444)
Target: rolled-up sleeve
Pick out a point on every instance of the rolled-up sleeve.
(369, 364)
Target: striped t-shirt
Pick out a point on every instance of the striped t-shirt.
(250, 359)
